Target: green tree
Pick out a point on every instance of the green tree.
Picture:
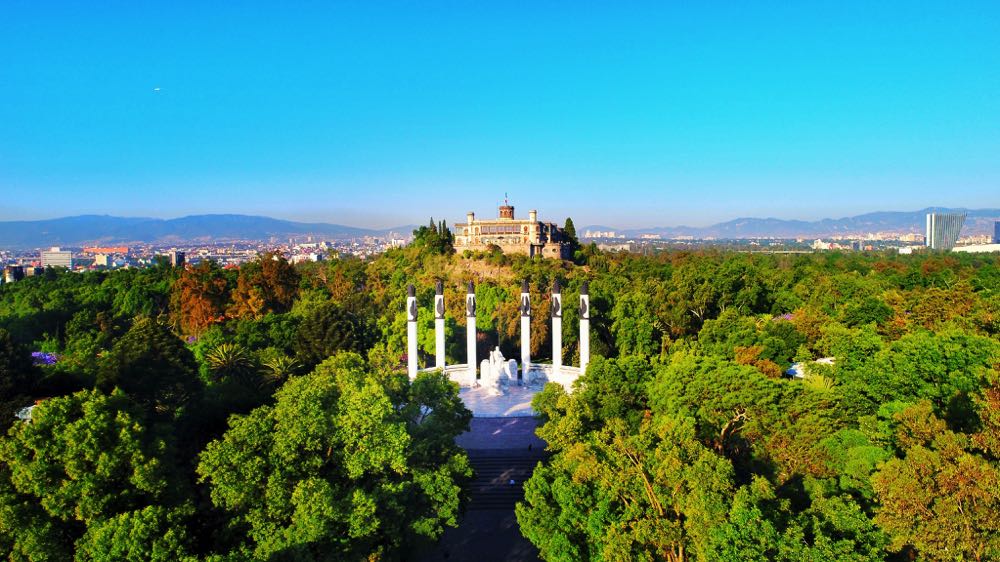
(154, 533)
(869, 310)
(329, 328)
(330, 472)
(939, 499)
(85, 475)
(426, 338)
(230, 361)
(281, 368)
(764, 527)
(89, 334)
(634, 325)
(152, 366)
(277, 331)
(569, 231)
(753, 420)
(615, 388)
(435, 238)
(434, 415)
(17, 378)
(621, 495)
(945, 368)
(236, 382)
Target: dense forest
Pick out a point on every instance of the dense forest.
(263, 412)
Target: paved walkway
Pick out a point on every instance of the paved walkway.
(500, 449)
(501, 433)
(484, 536)
(515, 403)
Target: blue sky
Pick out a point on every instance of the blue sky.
(383, 113)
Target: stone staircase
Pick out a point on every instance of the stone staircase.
(487, 530)
(495, 468)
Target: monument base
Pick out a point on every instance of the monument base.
(515, 403)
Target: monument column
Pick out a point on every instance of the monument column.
(439, 325)
(470, 331)
(584, 326)
(411, 332)
(525, 329)
(556, 327)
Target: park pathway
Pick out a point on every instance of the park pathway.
(500, 450)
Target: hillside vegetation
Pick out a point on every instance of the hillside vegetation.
(264, 413)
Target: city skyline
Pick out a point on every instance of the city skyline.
(370, 115)
(103, 229)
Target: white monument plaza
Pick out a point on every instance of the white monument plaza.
(500, 387)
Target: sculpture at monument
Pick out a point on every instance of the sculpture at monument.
(497, 372)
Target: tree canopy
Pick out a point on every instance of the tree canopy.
(263, 411)
(333, 471)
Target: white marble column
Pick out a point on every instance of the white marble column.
(556, 328)
(411, 332)
(584, 326)
(470, 331)
(525, 330)
(439, 325)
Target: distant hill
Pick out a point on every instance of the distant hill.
(104, 230)
(88, 230)
(978, 221)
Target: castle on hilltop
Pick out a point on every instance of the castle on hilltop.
(513, 236)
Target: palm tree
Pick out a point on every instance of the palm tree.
(231, 361)
(279, 369)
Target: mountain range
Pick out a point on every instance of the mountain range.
(978, 221)
(88, 230)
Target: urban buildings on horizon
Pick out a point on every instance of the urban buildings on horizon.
(57, 257)
(513, 235)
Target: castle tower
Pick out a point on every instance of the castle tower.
(506, 210)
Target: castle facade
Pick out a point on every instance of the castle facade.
(529, 236)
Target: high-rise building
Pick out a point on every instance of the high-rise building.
(943, 230)
(996, 232)
(57, 258)
(177, 258)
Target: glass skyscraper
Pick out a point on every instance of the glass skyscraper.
(996, 232)
(943, 230)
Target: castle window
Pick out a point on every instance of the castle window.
(500, 229)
